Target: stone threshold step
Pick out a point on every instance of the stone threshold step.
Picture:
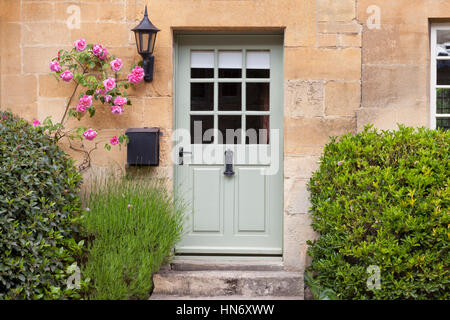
(228, 283)
(262, 298)
(221, 265)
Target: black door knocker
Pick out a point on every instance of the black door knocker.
(229, 163)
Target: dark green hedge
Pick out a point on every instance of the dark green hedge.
(382, 199)
(39, 202)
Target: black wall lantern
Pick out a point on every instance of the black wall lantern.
(145, 34)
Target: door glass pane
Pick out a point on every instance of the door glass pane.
(202, 96)
(258, 96)
(202, 64)
(443, 43)
(443, 72)
(443, 101)
(230, 64)
(230, 96)
(230, 128)
(443, 123)
(202, 129)
(258, 64)
(257, 129)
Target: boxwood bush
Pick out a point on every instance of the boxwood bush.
(39, 203)
(381, 200)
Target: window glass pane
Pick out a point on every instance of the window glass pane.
(443, 43)
(230, 73)
(258, 73)
(231, 129)
(258, 64)
(202, 64)
(258, 96)
(442, 100)
(443, 123)
(443, 72)
(202, 129)
(230, 96)
(230, 64)
(197, 73)
(257, 129)
(202, 96)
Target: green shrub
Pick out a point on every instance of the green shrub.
(134, 224)
(38, 206)
(382, 199)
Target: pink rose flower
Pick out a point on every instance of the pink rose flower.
(54, 66)
(5, 117)
(133, 79)
(108, 98)
(66, 75)
(136, 76)
(81, 108)
(138, 71)
(109, 84)
(90, 134)
(86, 101)
(116, 110)
(116, 64)
(80, 44)
(100, 91)
(97, 49)
(114, 140)
(103, 55)
(120, 101)
(36, 123)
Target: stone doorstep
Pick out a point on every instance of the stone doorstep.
(262, 298)
(225, 283)
(199, 265)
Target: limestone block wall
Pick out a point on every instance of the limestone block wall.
(322, 75)
(396, 61)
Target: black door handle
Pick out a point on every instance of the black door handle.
(181, 153)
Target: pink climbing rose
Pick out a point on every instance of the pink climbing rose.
(90, 134)
(66, 76)
(81, 108)
(116, 64)
(109, 84)
(108, 98)
(36, 123)
(136, 75)
(116, 109)
(97, 49)
(103, 55)
(86, 101)
(54, 66)
(114, 140)
(80, 44)
(120, 101)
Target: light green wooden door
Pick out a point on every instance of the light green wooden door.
(229, 103)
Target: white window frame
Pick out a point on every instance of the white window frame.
(433, 83)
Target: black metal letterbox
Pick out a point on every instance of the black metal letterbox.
(143, 146)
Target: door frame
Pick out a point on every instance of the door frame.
(244, 40)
